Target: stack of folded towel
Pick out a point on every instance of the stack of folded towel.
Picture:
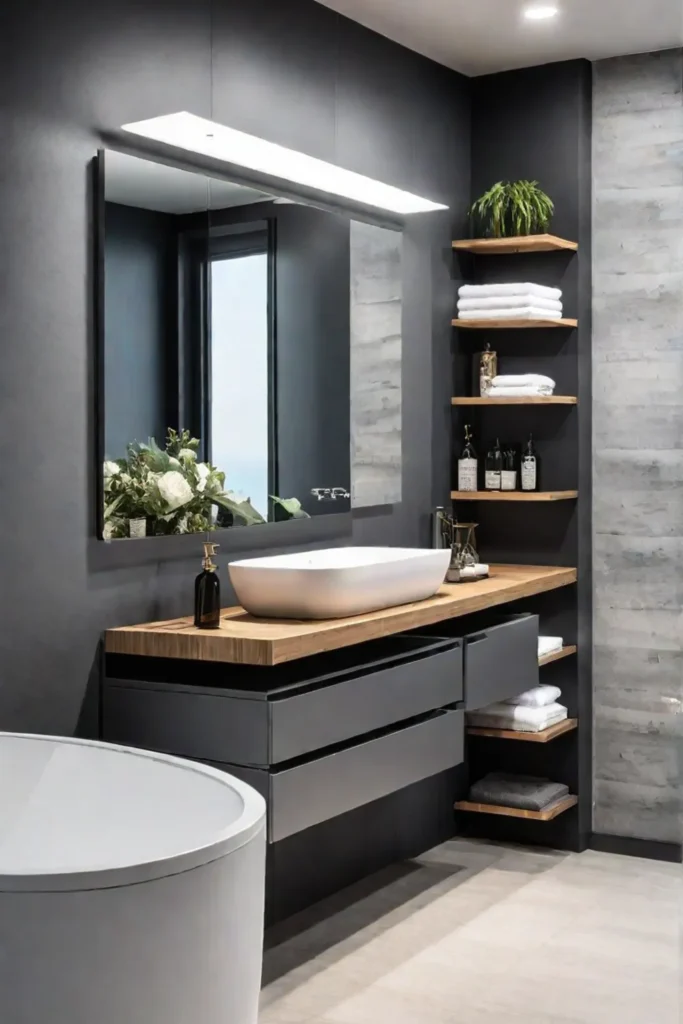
(524, 301)
(516, 385)
(532, 711)
(524, 791)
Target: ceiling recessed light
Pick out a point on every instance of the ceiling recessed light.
(540, 12)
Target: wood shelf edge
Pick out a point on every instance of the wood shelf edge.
(519, 400)
(499, 325)
(566, 652)
(535, 496)
(517, 812)
(515, 244)
(549, 734)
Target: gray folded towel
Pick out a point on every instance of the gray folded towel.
(524, 791)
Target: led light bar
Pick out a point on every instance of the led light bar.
(199, 135)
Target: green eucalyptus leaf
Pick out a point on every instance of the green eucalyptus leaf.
(111, 508)
(243, 511)
(287, 508)
(156, 459)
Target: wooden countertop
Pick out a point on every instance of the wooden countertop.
(245, 640)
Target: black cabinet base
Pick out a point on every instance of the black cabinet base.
(561, 833)
(652, 849)
(313, 864)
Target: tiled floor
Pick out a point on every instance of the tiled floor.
(478, 934)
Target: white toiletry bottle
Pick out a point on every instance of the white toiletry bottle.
(468, 465)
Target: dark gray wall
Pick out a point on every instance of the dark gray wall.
(536, 123)
(289, 70)
(139, 296)
(638, 444)
(553, 146)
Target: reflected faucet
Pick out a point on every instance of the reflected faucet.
(330, 493)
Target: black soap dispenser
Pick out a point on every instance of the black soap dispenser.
(207, 592)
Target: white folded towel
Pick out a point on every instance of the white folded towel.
(478, 291)
(517, 717)
(549, 644)
(529, 390)
(511, 313)
(510, 301)
(536, 697)
(522, 380)
(480, 569)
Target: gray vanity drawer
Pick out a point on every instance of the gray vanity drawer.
(501, 661)
(343, 711)
(388, 683)
(316, 790)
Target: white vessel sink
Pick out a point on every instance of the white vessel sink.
(336, 582)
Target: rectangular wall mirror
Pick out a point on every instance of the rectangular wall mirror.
(232, 325)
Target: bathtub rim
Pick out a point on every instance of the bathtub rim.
(250, 823)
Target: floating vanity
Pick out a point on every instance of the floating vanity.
(325, 718)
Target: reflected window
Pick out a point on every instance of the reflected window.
(240, 373)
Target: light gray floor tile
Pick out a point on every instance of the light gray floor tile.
(524, 937)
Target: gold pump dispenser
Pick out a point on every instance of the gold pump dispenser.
(209, 551)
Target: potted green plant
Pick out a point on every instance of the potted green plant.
(512, 208)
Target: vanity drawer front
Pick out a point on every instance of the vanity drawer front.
(343, 711)
(501, 661)
(187, 723)
(355, 694)
(306, 794)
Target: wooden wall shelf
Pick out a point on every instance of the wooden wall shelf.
(519, 400)
(513, 495)
(505, 325)
(551, 733)
(516, 812)
(548, 659)
(518, 243)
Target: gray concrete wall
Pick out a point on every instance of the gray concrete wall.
(638, 443)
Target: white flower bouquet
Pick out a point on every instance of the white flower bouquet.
(170, 490)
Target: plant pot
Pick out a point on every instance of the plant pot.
(137, 528)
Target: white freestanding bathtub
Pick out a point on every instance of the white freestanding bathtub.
(131, 887)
